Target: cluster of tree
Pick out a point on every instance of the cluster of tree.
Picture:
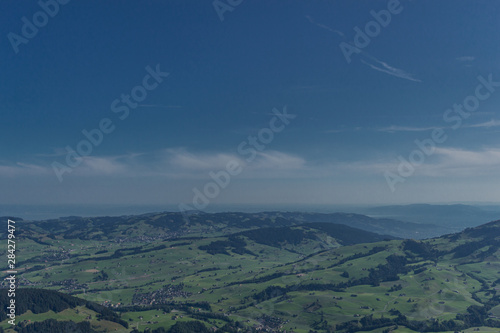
(395, 287)
(37, 240)
(38, 301)
(467, 249)
(105, 313)
(34, 268)
(270, 292)
(74, 227)
(205, 316)
(478, 315)
(41, 301)
(374, 250)
(55, 326)
(180, 244)
(167, 307)
(126, 252)
(421, 249)
(339, 286)
(210, 269)
(386, 272)
(261, 279)
(172, 222)
(180, 327)
(484, 237)
(138, 308)
(368, 323)
(475, 316)
(275, 237)
(103, 276)
(233, 243)
(245, 220)
(419, 270)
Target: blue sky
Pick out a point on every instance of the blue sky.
(354, 120)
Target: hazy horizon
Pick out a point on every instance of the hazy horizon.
(42, 212)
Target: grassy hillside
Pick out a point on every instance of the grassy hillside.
(316, 276)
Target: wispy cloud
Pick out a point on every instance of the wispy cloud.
(486, 124)
(392, 129)
(447, 162)
(181, 158)
(178, 163)
(372, 62)
(263, 162)
(56, 153)
(112, 165)
(160, 106)
(385, 68)
(461, 157)
(275, 160)
(344, 129)
(323, 26)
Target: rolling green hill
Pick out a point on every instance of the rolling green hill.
(166, 225)
(258, 272)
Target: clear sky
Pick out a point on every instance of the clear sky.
(359, 80)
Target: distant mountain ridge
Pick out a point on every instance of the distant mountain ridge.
(173, 224)
(456, 216)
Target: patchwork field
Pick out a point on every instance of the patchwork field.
(300, 278)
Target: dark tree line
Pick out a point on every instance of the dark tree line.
(41, 301)
(233, 243)
(181, 327)
(55, 326)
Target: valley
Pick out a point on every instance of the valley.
(259, 272)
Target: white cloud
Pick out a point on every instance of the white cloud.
(102, 166)
(444, 162)
(181, 158)
(468, 164)
(176, 163)
(463, 158)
